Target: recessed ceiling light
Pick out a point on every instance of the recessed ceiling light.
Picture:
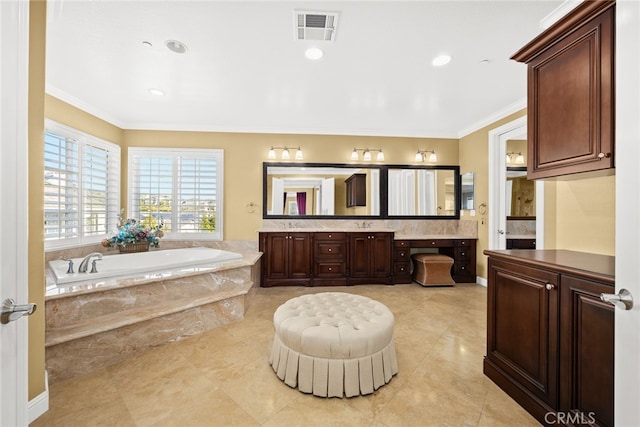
(176, 46)
(156, 92)
(441, 60)
(313, 53)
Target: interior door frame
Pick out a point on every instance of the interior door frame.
(14, 51)
(497, 216)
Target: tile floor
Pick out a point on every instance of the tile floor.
(223, 378)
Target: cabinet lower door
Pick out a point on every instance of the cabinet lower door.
(586, 352)
(522, 328)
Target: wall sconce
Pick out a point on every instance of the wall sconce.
(366, 154)
(421, 156)
(285, 155)
(519, 158)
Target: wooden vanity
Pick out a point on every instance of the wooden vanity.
(339, 258)
(549, 336)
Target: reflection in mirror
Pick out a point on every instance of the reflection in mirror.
(301, 190)
(467, 191)
(520, 193)
(422, 192)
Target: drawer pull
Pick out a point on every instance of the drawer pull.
(329, 249)
(433, 243)
(329, 268)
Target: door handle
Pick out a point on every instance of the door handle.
(623, 299)
(11, 311)
(500, 231)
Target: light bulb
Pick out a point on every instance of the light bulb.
(272, 153)
(380, 156)
(418, 157)
(433, 157)
(367, 156)
(285, 154)
(298, 154)
(520, 159)
(508, 158)
(354, 154)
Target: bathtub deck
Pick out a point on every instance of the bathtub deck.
(98, 324)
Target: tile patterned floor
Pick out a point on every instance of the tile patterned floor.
(223, 378)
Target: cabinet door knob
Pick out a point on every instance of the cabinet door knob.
(603, 155)
(549, 286)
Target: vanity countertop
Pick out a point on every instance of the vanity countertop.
(521, 236)
(397, 236)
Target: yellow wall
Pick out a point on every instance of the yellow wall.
(37, 25)
(474, 157)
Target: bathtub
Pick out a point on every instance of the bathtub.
(141, 262)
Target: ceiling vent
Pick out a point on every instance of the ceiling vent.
(314, 25)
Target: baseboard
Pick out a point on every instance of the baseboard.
(40, 404)
(481, 281)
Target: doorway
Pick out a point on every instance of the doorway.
(497, 215)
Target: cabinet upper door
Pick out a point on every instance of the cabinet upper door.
(571, 93)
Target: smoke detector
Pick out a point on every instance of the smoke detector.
(315, 25)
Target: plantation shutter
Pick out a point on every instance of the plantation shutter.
(61, 187)
(100, 180)
(181, 188)
(197, 181)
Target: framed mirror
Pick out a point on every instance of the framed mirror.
(520, 194)
(467, 191)
(329, 190)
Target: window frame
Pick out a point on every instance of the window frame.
(213, 153)
(83, 140)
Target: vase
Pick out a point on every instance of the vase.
(134, 247)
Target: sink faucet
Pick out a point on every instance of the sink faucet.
(84, 265)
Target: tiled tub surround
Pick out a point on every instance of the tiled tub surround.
(100, 322)
(403, 228)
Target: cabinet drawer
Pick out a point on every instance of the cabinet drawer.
(329, 236)
(325, 269)
(461, 268)
(402, 244)
(401, 255)
(435, 243)
(465, 242)
(328, 248)
(401, 269)
(462, 254)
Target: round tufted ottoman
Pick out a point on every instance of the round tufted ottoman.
(333, 344)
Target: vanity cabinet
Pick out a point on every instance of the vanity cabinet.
(329, 259)
(289, 258)
(571, 93)
(549, 337)
(370, 257)
(464, 261)
(521, 243)
(402, 261)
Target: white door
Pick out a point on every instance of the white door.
(13, 176)
(328, 197)
(627, 337)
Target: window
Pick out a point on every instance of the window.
(81, 186)
(180, 188)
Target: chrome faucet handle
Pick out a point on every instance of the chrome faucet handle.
(93, 265)
(70, 269)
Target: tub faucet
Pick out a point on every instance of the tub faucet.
(84, 265)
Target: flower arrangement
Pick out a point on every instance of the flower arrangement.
(132, 231)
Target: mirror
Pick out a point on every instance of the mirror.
(420, 191)
(467, 191)
(321, 190)
(520, 194)
(318, 190)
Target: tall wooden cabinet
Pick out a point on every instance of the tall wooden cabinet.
(571, 93)
(549, 337)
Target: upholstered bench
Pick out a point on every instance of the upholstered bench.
(334, 344)
(432, 269)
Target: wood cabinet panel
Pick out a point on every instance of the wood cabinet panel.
(570, 94)
(370, 257)
(550, 339)
(523, 326)
(287, 259)
(586, 350)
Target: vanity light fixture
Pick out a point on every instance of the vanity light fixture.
(366, 154)
(519, 158)
(421, 156)
(285, 155)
